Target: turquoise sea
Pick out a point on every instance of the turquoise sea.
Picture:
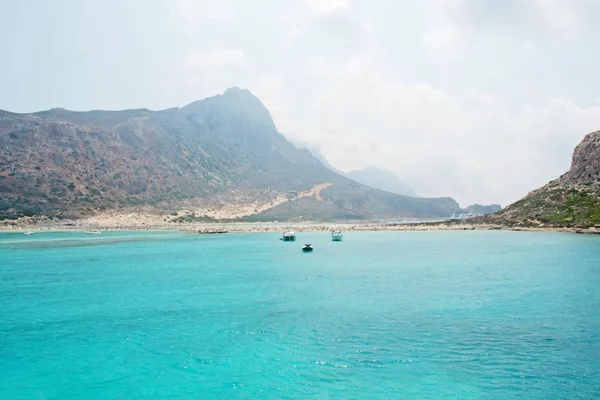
(381, 315)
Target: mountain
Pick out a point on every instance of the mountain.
(377, 178)
(573, 200)
(223, 151)
(482, 209)
(386, 180)
(382, 179)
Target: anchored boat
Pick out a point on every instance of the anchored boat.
(307, 247)
(336, 236)
(289, 236)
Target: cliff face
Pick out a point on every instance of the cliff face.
(585, 167)
(221, 150)
(573, 200)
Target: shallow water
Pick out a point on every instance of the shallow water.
(415, 315)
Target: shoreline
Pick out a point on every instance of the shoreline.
(249, 227)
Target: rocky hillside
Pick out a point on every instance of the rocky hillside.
(218, 152)
(573, 200)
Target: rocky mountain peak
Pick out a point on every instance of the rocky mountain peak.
(585, 167)
(237, 91)
(234, 104)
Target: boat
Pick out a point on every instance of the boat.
(289, 236)
(336, 236)
(29, 233)
(93, 232)
(307, 248)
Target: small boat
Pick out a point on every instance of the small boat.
(336, 236)
(307, 248)
(93, 232)
(289, 236)
(29, 233)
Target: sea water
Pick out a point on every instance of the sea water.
(407, 315)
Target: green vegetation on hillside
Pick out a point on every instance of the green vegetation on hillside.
(567, 207)
(573, 200)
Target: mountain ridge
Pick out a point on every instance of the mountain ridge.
(220, 151)
(386, 180)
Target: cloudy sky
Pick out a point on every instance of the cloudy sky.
(481, 100)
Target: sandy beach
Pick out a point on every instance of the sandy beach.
(148, 221)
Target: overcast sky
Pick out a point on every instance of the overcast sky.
(481, 100)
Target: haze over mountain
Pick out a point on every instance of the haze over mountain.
(377, 178)
(571, 200)
(220, 151)
(383, 179)
(319, 156)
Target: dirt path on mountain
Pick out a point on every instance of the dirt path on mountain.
(315, 191)
(244, 210)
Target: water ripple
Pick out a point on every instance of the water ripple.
(471, 315)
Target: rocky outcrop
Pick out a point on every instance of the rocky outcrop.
(585, 166)
(573, 200)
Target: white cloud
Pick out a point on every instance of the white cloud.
(445, 41)
(270, 90)
(475, 147)
(195, 11)
(327, 6)
(216, 58)
(528, 46)
(564, 16)
(446, 37)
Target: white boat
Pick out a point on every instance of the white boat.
(336, 236)
(289, 236)
(29, 233)
(93, 232)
